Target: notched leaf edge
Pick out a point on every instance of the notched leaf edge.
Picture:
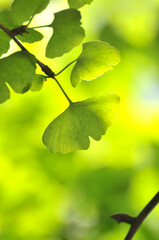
(81, 121)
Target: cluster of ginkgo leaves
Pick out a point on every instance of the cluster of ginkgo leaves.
(89, 118)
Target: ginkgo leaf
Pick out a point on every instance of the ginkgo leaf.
(78, 3)
(96, 58)
(23, 10)
(4, 42)
(18, 70)
(37, 83)
(67, 34)
(71, 130)
(30, 36)
(6, 19)
(4, 92)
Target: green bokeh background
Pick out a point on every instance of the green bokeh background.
(71, 197)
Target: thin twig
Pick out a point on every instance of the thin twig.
(11, 35)
(63, 90)
(43, 26)
(43, 67)
(137, 221)
(65, 67)
(30, 20)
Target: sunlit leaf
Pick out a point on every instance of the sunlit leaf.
(23, 10)
(96, 58)
(4, 42)
(18, 70)
(90, 118)
(31, 36)
(4, 92)
(68, 33)
(78, 3)
(37, 83)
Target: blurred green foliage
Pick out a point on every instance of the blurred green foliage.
(50, 196)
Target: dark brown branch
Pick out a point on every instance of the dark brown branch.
(19, 30)
(137, 221)
(122, 217)
(43, 67)
(11, 35)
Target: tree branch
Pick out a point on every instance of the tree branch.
(11, 35)
(19, 30)
(135, 222)
(43, 67)
(122, 217)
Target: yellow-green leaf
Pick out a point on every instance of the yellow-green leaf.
(96, 58)
(67, 34)
(30, 36)
(71, 130)
(6, 19)
(4, 42)
(4, 92)
(78, 3)
(23, 10)
(37, 83)
(18, 70)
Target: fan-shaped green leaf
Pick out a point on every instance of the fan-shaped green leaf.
(90, 118)
(23, 10)
(6, 19)
(4, 92)
(37, 83)
(31, 36)
(78, 3)
(68, 33)
(18, 70)
(96, 58)
(4, 42)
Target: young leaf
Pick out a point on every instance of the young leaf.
(4, 43)
(71, 130)
(18, 70)
(96, 58)
(37, 83)
(4, 92)
(23, 10)
(68, 33)
(31, 36)
(78, 3)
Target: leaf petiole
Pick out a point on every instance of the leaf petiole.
(43, 67)
(65, 68)
(62, 90)
(30, 21)
(43, 26)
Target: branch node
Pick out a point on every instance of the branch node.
(122, 217)
(46, 69)
(19, 30)
(135, 222)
